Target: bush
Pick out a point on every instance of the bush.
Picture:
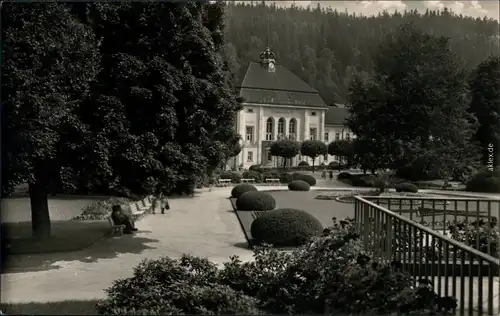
(100, 209)
(167, 287)
(360, 180)
(344, 175)
(485, 181)
(299, 185)
(233, 175)
(271, 175)
(256, 168)
(335, 165)
(255, 201)
(406, 187)
(285, 227)
(239, 189)
(303, 164)
(305, 177)
(257, 176)
(286, 177)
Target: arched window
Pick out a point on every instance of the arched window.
(281, 128)
(269, 128)
(292, 128)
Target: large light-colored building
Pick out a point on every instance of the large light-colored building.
(278, 104)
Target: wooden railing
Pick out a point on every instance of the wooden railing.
(398, 230)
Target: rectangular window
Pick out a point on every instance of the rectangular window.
(348, 136)
(326, 137)
(269, 157)
(313, 133)
(250, 110)
(337, 136)
(313, 113)
(250, 156)
(325, 157)
(249, 133)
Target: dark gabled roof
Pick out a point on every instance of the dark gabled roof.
(278, 87)
(336, 115)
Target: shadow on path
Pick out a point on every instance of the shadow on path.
(107, 249)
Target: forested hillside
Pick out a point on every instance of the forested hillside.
(326, 47)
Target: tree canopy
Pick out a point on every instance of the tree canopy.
(313, 149)
(114, 97)
(414, 107)
(285, 148)
(485, 105)
(44, 76)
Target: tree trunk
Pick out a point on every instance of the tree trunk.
(314, 159)
(40, 218)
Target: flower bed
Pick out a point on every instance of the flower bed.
(348, 197)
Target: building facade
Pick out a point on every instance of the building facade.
(278, 104)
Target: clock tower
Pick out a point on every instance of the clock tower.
(267, 60)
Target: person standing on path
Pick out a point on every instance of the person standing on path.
(331, 174)
(160, 200)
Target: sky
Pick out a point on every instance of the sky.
(480, 8)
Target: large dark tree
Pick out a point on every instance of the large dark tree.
(49, 58)
(415, 106)
(485, 104)
(163, 99)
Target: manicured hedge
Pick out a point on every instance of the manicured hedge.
(238, 190)
(305, 177)
(344, 175)
(485, 181)
(406, 187)
(255, 201)
(257, 168)
(233, 175)
(285, 227)
(257, 176)
(299, 185)
(303, 164)
(286, 177)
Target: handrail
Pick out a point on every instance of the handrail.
(399, 197)
(429, 231)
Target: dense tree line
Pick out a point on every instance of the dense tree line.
(326, 48)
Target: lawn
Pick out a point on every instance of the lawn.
(323, 210)
(66, 236)
(50, 308)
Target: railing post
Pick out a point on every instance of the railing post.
(389, 237)
(366, 225)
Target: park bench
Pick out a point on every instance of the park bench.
(115, 229)
(224, 182)
(273, 181)
(248, 181)
(137, 210)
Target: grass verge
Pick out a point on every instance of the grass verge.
(70, 307)
(66, 236)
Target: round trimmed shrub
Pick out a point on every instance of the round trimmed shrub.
(406, 187)
(257, 176)
(344, 175)
(486, 181)
(299, 185)
(285, 227)
(238, 190)
(303, 164)
(305, 177)
(255, 201)
(233, 175)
